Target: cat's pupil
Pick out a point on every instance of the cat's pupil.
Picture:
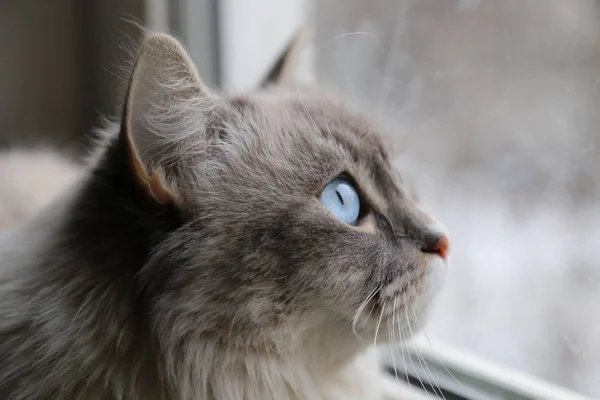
(339, 196)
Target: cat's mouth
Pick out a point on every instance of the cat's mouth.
(401, 308)
(422, 284)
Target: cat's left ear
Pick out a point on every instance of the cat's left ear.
(165, 106)
(284, 68)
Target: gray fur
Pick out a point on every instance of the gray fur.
(243, 286)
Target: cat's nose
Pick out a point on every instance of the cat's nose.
(437, 243)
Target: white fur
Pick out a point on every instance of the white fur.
(31, 179)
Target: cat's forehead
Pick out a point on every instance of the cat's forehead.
(319, 115)
(324, 136)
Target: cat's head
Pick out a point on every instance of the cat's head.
(295, 220)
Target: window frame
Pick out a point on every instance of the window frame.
(436, 368)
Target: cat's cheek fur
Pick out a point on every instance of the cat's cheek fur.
(434, 282)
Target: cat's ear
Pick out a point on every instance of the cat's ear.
(283, 69)
(163, 87)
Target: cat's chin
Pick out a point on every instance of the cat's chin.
(394, 328)
(403, 315)
(434, 283)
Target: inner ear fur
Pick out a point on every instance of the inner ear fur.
(164, 79)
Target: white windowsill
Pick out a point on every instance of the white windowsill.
(471, 377)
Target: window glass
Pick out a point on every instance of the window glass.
(494, 109)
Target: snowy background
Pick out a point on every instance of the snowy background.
(494, 111)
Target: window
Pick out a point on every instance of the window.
(494, 107)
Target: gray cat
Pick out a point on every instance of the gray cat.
(250, 247)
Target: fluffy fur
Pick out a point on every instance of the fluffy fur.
(195, 260)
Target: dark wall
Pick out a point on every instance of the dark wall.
(59, 66)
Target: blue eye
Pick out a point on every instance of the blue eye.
(340, 197)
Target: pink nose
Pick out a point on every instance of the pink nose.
(439, 245)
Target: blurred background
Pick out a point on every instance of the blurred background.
(492, 107)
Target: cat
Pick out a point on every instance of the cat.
(252, 246)
(31, 179)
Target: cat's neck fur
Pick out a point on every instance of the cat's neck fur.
(88, 264)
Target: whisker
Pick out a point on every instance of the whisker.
(420, 357)
(391, 340)
(402, 351)
(470, 389)
(410, 332)
(360, 310)
(378, 325)
(341, 65)
(373, 306)
(308, 115)
(344, 35)
(362, 136)
(388, 65)
(392, 334)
